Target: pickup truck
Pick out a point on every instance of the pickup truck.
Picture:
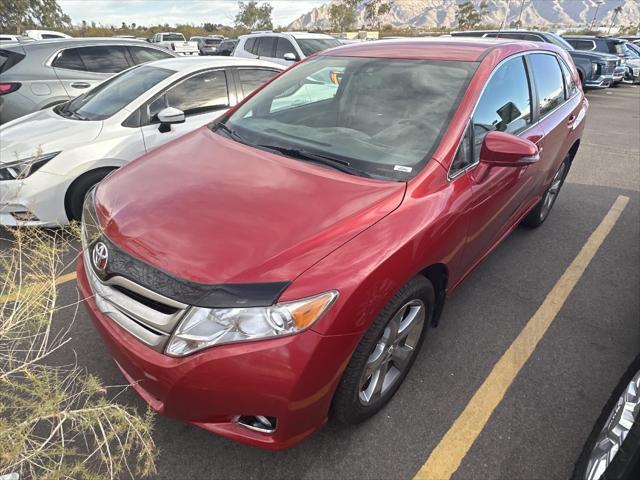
(175, 42)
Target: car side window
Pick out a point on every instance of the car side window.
(248, 45)
(549, 82)
(505, 104)
(104, 58)
(283, 47)
(582, 44)
(143, 55)
(204, 92)
(252, 78)
(570, 87)
(267, 47)
(69, 59)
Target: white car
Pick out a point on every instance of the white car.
(45, 34)
(284, 48)
(176, 42)
(51, 158)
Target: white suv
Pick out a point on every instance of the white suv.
(283, 48)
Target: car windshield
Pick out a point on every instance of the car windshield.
(173, 37)
(380, 117)
(309, 46)
(112, 95)
(559, 41)
(212, 41)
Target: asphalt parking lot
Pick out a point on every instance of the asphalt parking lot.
(537, 430)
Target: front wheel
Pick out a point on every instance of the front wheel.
(540, 212)
(385, 354)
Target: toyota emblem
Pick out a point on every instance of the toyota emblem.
(100, 256)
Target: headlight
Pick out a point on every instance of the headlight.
(204, 327)
(25, 167)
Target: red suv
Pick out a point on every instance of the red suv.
(286, 260)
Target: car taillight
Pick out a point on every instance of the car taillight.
(9, 87)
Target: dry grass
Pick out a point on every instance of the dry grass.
(56, 422)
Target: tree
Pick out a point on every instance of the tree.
(342, 17)
(469, 17)
(254, 17)
(616, 11)
(17, 15)
(209, 27)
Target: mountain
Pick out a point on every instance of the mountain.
(432, 13)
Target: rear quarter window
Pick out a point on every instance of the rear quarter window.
(9, 59)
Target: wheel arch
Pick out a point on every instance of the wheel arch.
(105, 169)
(438, 275)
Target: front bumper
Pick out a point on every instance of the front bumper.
(291, 378)
(603, 81)
(33, 201)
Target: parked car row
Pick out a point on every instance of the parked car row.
(601, 61)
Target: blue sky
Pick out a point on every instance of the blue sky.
(151, 12)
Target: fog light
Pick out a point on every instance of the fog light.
(258, 423)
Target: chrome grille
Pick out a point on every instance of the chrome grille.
(148, 316)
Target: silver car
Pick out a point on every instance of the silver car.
(40, 74)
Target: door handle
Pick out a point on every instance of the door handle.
(80, 85)
(571, 119)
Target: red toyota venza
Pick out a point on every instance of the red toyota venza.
(283, 264)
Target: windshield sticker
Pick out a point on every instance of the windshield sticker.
(402, 168)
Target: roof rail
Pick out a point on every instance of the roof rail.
(263, 31)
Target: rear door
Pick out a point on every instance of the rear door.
(202, 97)
(82, 68)
(559, 107)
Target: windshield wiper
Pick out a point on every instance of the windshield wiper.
(335, 163)
(230, 132)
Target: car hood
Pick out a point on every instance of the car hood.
(43, 132)
(211, 210)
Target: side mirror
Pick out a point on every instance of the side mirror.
(290, 57)
(506, 150)
(169, 116)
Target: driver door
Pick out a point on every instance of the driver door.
(202, 97)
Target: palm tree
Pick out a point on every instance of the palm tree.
(616, 11)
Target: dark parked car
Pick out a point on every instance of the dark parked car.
(596, 69)
(227, 46)
(253, 309)
(40, 74)
(614, 46)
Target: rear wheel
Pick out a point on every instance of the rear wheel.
(385, 354)
(78, 190)
(540, 212)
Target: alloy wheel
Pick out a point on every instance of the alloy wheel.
(552, 192)
(393, 352)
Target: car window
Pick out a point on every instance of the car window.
(581, 44)
(548, 77)
(283, 47)
(248, 44)
(570, 87)
(173, 37)
(143, 55)
(46, 36)
(267, 47)
(505, 104)
(104, 58)
(197, 94)
(251, 78)
(112, 95)
(512, 36)
(69, 59)
(309, 46)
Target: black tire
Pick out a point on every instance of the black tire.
(346, 406)
(78, 190)
(626, 463)
(539, 214)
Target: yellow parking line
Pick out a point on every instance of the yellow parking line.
(67, 277)
(445, 459)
